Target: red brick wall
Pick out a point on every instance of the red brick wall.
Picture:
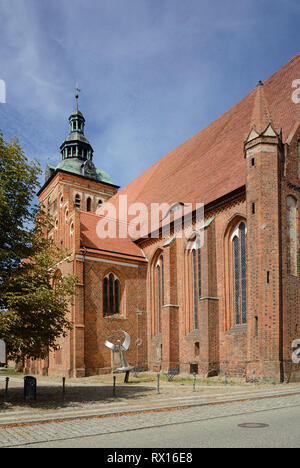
(132, 318)
(273, 308)
(290, 281)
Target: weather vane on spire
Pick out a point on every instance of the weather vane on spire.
(77, 91)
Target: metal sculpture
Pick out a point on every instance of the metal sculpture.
(119, 361)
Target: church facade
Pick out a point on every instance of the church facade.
(232, 305)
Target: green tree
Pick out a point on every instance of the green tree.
(18, 185)
(34, 303)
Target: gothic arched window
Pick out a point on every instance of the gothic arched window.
(195, 279)
(89, 204)
(159, 288)
(292, 235)
(238, 241)
(193, 282)
(77, 201)
(111, 295)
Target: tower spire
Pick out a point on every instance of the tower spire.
(261, 115)
(77, 91)
(76, 145)
(261, 120)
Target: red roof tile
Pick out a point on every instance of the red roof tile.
(211, 163)
(90, 239)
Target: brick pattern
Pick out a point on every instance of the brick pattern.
(257, 183)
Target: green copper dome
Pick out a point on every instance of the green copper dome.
(77, 153)
(79, 167)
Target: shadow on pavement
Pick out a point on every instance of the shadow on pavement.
(50, 397)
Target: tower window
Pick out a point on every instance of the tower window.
(77, 201)
(88, 204)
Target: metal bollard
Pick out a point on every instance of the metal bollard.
(6, 389)
(63, 388)
(158, 390)
(29, 388)
(254, 377)
(114, 387)
(225, 379)
(194, 381)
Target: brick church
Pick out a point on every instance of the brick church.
(232, 305)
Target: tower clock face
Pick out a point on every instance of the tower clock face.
(89, 167)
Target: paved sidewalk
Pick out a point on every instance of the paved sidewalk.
(166, 400)
(54, 431)
(86, 398)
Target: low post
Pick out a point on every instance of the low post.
(225, 379)
(6, 390)
(194, 381)
(63, 388)
(114, 386)
(253, 377)
(158, 390)
(29, 388)
(126, 378)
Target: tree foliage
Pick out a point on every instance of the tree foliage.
(18, 184)
(34, 301)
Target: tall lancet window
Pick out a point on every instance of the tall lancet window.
(111, 295)
(195, 295)
(159, 270)
(89, 204)
(77, 201)
(196, 286)
(292, 235)
(238, 241)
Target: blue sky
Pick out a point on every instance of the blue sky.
(152, 72)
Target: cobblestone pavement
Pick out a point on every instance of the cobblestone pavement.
(22, 436)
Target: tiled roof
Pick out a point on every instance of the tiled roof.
(211, 163)
(90, 239)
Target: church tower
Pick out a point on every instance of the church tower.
(72, 187)
(75, 183)
(84, 185)
(264, 163)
